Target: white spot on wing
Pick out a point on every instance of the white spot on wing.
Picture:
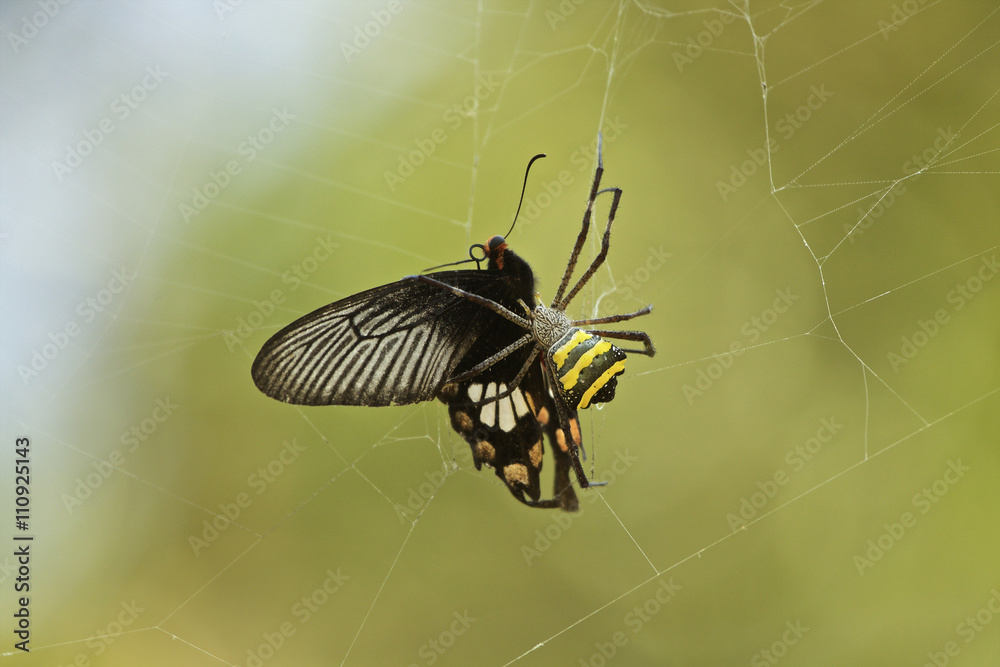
(488, 414)
(507, 422)
(519, 405)
(475, 392)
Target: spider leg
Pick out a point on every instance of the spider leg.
(572, 442)
(564, 498)
(642, 336)
(562, 487)
(611, 319)
(517, 378)
(548, 503)
(605, 244)
(575, 255)
(513, 384)
(502, 354)
(475, 298)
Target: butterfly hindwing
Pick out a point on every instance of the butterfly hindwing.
(507, 433)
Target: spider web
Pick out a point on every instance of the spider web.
(804, 473)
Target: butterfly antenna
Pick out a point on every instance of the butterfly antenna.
(523, 188)
(481, 247)
(461, 261)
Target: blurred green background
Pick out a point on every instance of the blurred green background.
(806, 472)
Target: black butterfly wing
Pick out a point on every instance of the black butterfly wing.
(391, 345)
(507, 433)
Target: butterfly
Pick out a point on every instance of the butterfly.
(510, 369)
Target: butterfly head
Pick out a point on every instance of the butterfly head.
(515, 271)
(495, 249)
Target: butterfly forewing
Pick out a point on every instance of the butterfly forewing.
(391, 345)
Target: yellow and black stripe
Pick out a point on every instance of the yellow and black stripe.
(586, 366)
